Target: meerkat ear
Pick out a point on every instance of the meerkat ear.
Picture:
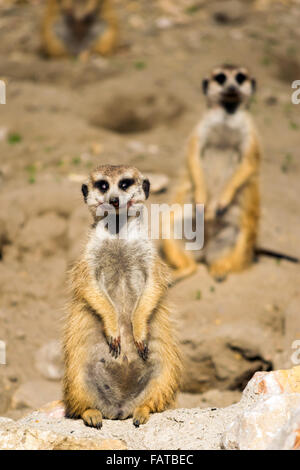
(146, 187)
(85, 191)
(253, 84)
(205, 85)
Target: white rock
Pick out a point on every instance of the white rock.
(164, 22)
(288, 437)
(276, 398)
(256, 428)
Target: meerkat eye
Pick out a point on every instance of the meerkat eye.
(126, 183)
(102, 185)
(220, 78)
(240, 77)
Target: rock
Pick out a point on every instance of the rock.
(212, 398)
(48, 361)
(267, 416)
(28, 437)
(163, 22)
(276, 382)
(35, 393)
(289, 436)
(258, 427)
(174, 429)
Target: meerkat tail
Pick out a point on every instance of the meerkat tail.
(275, 254)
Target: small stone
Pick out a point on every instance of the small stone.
(54, 409)
(164, 22)
(35, 393)
(48, 360)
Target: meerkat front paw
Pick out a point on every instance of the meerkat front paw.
(114, 346)
(92, 418)
(142, 349)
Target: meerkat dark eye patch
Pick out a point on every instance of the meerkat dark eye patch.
(220, 78)
(102, 185)
(126, 183)
(88, 19)
(146, 187)
(240, 78)
(85, 191)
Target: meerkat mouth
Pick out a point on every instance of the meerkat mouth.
(231, 97)
(106, 207)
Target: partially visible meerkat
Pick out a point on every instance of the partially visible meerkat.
(121, 357)
(222, 169)
(78, 27)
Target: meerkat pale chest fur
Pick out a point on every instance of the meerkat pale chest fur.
(120, 353)
(222, 166)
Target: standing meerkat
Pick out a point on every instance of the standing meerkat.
(222, 169)
(121, 358)
(79, 27)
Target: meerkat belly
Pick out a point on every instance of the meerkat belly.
(221, 232)
(77, 44)
(122, 272)
(118, 383)
(218, 165)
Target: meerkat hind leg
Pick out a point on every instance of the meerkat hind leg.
(239, 257)
(92, 418)
(242, 255)
(183, 263)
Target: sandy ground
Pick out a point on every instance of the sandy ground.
(64, 117)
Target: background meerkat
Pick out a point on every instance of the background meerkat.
(222, 168)
(121, 358)
(73, 27)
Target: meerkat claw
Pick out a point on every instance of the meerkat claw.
(115, 346)
(142, 349)
(221, 211)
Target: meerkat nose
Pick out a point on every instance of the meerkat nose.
(114, 201)
(231, 89)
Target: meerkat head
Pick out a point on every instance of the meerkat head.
(229, 86)
(79, 15)
(116, 188)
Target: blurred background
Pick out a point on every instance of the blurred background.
(66, 116)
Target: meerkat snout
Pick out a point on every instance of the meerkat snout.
(114, 201)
